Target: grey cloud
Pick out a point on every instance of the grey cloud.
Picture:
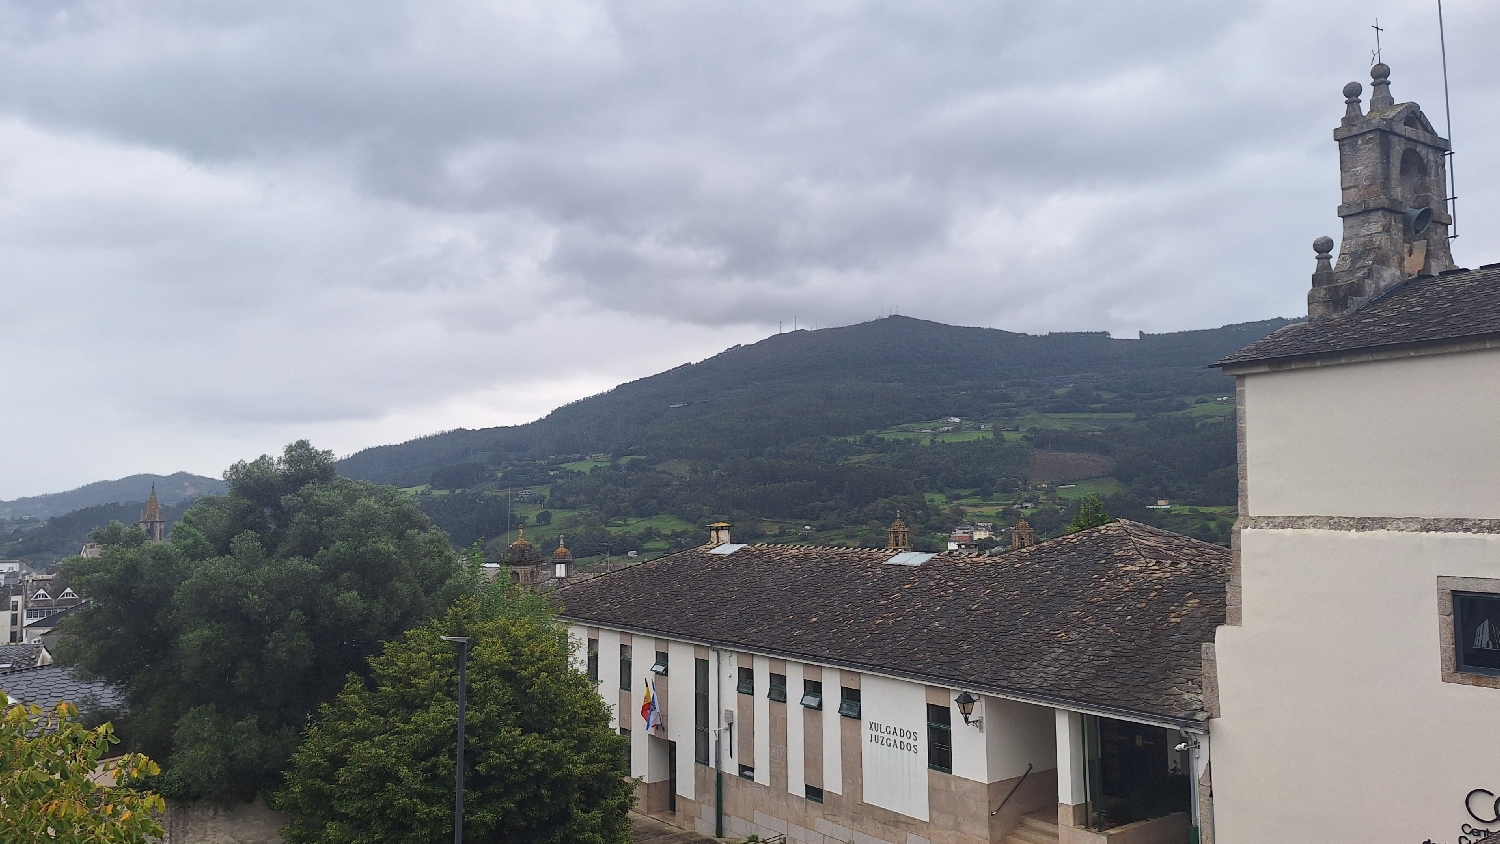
(242, 222)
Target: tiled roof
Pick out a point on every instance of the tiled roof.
(18, 657)
(1454, 306)
(1113, 618)
(49, 685)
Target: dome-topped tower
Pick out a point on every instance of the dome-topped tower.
(562, 560)
(898, 538)
(523, 553)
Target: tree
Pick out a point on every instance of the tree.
(541, 763)
(1090, 514)
(50, 790)
(228, 636)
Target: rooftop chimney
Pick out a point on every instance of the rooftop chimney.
(718, 533)
(1394, 174)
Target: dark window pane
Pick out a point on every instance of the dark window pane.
(849, 702)
(746, 685)
(939, 739)
(1476, 618)
(700, 711)
(812, 694)
(778, 688)
(813, 793)
(660, 666)
(625, 669)
(747, 772)
(594, 661)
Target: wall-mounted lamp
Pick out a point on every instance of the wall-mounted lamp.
(966, 703)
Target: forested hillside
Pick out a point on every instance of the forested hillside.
(824, 435)
(170, 489)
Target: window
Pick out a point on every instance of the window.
(68, 593)
(15, 619)
(594, 661)
(939, 738)
(700, 711)
(812, 694)
(747, 772)
(849, 702)
(660, 665)
(1476, 627)
(777, 691)
(813, 793)
(746, 685)
(624, 731)
(41, 595)
(625, 670)
(43, 612)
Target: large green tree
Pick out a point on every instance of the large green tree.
(542, 764)
(229, 635)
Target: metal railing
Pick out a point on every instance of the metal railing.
(1012, 790)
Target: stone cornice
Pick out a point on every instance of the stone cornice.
(1362, 524)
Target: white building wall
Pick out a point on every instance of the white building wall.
(1015, 735)
(680, 720)
(1332, 702)
(762, 720)
(969, 747)
(1410, 437)
(796, 774)
(895, 718)
(833, 760)
(609, 678)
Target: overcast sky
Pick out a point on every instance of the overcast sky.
(227, 225)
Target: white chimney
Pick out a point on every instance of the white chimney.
(718, 534)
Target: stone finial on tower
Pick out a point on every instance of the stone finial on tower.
(1352, 110)
(1380, 87)
(1394, 176)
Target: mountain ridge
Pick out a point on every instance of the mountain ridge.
(834, 381)
(170, 489)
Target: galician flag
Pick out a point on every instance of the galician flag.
(648, 706)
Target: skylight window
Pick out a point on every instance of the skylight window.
(726, 548)
(909, 558)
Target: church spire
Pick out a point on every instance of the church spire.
(151, 519)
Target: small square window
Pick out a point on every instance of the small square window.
(813, 793)
(1476, 619)
(660, 666)
(812, 694)
(849, 702)
(746, 684)
(777, 691)
(747, 772)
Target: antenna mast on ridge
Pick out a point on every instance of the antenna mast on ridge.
(1448, 113)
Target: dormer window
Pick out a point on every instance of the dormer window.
(68, 593)
(41, 595)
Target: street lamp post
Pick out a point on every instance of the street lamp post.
(458, 772)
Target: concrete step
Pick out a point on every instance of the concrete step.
(1027, 835)
(1046, 824)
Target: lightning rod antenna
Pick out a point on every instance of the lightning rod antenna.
(1448, 114)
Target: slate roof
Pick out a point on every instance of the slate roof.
(1112, 618)
(1457, 305)
(19, 657)
(51, 684)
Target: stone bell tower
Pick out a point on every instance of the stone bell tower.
(1394, 175)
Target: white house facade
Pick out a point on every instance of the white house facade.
(1358, 673)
